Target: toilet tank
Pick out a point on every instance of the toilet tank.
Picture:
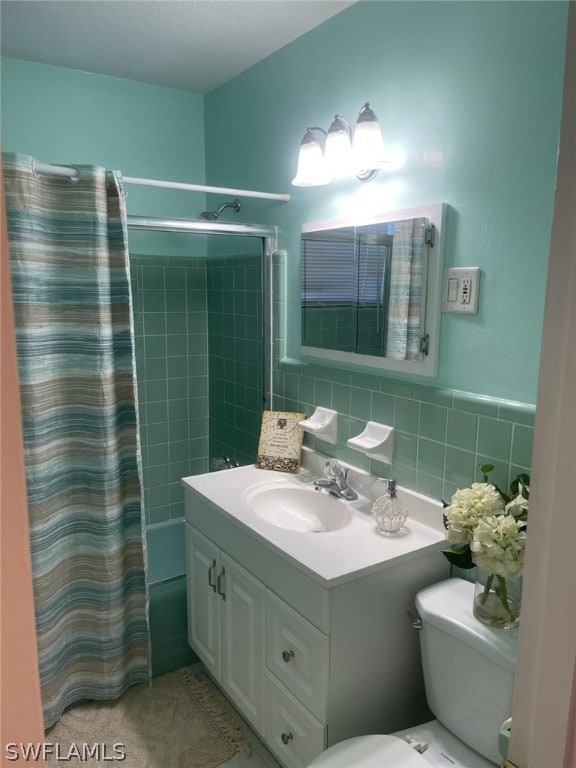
(468, 667)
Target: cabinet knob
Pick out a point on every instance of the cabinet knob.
(287, 655)
(286, 738)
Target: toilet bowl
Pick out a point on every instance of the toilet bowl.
(469, 675)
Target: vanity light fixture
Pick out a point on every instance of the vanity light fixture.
(368, 145)
(362, 154)
(338, 149)
(312, 169)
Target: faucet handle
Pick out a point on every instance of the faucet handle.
(332, 469)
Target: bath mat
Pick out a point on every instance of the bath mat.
(180, 721)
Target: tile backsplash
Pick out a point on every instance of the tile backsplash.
(442, 436)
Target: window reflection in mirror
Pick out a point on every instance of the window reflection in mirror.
(365, 288)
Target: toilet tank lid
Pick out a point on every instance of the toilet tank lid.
(448, 606)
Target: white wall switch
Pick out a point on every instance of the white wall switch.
(460, 288)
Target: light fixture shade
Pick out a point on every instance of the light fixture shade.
(312, 170)
(338, 149)
(368, 147)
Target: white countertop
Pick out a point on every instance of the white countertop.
(330, 557)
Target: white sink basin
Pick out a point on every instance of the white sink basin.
(282, 511)
(297, 509)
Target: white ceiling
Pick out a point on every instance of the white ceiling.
(192, 45)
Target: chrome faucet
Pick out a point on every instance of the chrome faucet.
(335, 482)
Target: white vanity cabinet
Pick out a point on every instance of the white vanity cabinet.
(226, 624)
(308, 662)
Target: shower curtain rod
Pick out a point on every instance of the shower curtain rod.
(72, 174)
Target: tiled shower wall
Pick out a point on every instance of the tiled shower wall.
(235, 365)
(171, 339)
(198, 338)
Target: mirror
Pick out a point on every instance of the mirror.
(369, 291)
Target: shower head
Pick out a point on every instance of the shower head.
(213, 215)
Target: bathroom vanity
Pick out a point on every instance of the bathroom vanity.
(305, 622)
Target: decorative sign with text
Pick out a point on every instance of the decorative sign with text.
(280, 443)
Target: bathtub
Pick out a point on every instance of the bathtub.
(166, 578)
(166, 551)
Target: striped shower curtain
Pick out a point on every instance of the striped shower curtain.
(406, 272)
(68, 250)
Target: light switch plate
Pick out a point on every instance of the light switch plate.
(460, 289)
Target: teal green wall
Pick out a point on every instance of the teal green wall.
(472, 93)
(64, 116)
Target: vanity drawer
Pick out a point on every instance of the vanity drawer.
(292, 733)
(297, 654)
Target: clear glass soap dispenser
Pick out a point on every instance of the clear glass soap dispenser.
(389, 511)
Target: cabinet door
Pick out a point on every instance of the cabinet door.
(243, 640)
(204, 603)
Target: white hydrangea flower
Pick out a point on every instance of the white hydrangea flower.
(498, 545)
(517, 506)
(467, 507)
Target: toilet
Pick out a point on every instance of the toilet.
(468, 675)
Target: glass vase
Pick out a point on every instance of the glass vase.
(494, 604)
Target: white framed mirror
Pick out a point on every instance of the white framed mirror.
(370, 290)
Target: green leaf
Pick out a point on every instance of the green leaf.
(460, 556)
(485, 469)
(502, 493)
(521, 480)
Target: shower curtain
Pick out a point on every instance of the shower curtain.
(405, 307)
(69, 264)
